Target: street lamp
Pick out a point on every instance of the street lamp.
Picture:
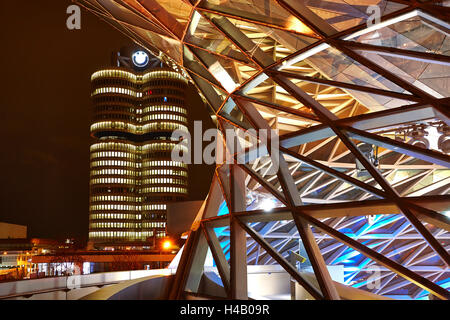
(370, 154)
(418, 137)
(167, 244)
(444, 139)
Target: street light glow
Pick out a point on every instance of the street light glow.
(267, 204)
(167, 245)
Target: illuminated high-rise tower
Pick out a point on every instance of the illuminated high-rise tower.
(137, 106)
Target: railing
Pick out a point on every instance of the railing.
(154, 287)
(29, 288)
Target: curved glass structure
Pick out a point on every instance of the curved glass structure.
(358, 93)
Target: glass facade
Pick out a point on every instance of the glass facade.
(358, 91)
(132, 177)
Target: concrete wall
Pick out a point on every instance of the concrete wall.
(269, 284)
(272, 282)
(12, 231)
(72, 287)
(149, 288)
(181, 215)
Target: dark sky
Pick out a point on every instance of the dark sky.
(45, 113)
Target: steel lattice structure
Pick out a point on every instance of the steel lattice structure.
(328, 79)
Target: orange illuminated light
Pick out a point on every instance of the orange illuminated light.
(295, 24)
(167, 244)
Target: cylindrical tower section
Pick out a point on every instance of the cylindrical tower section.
(132, 175)
(114, 199)
(115, 97)
(163, 180)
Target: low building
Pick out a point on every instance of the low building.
(12, 231)
(86, 262)
(16, 255)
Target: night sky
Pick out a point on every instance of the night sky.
(45, 110)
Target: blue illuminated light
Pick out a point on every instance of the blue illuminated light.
(223, 209)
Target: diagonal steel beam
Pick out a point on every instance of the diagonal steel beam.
(290, 190)
(219, 257)
(427, 57)
(381, 259)
(329, 118)
(408, 149)
(343, 85)
(282, 262)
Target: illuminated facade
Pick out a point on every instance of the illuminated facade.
(361, 104)
(132, 176)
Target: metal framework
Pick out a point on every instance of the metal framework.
(329, 80)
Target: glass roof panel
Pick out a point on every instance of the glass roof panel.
(263, 11)
(230, 73)
(178, 9)
(270, 92)
(169, 46)
(345, 14)
(415, 33)
(335, 65)
(429, 77)
(203, 34)
(275, 43)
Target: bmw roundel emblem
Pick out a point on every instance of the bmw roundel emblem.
(140, 59)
